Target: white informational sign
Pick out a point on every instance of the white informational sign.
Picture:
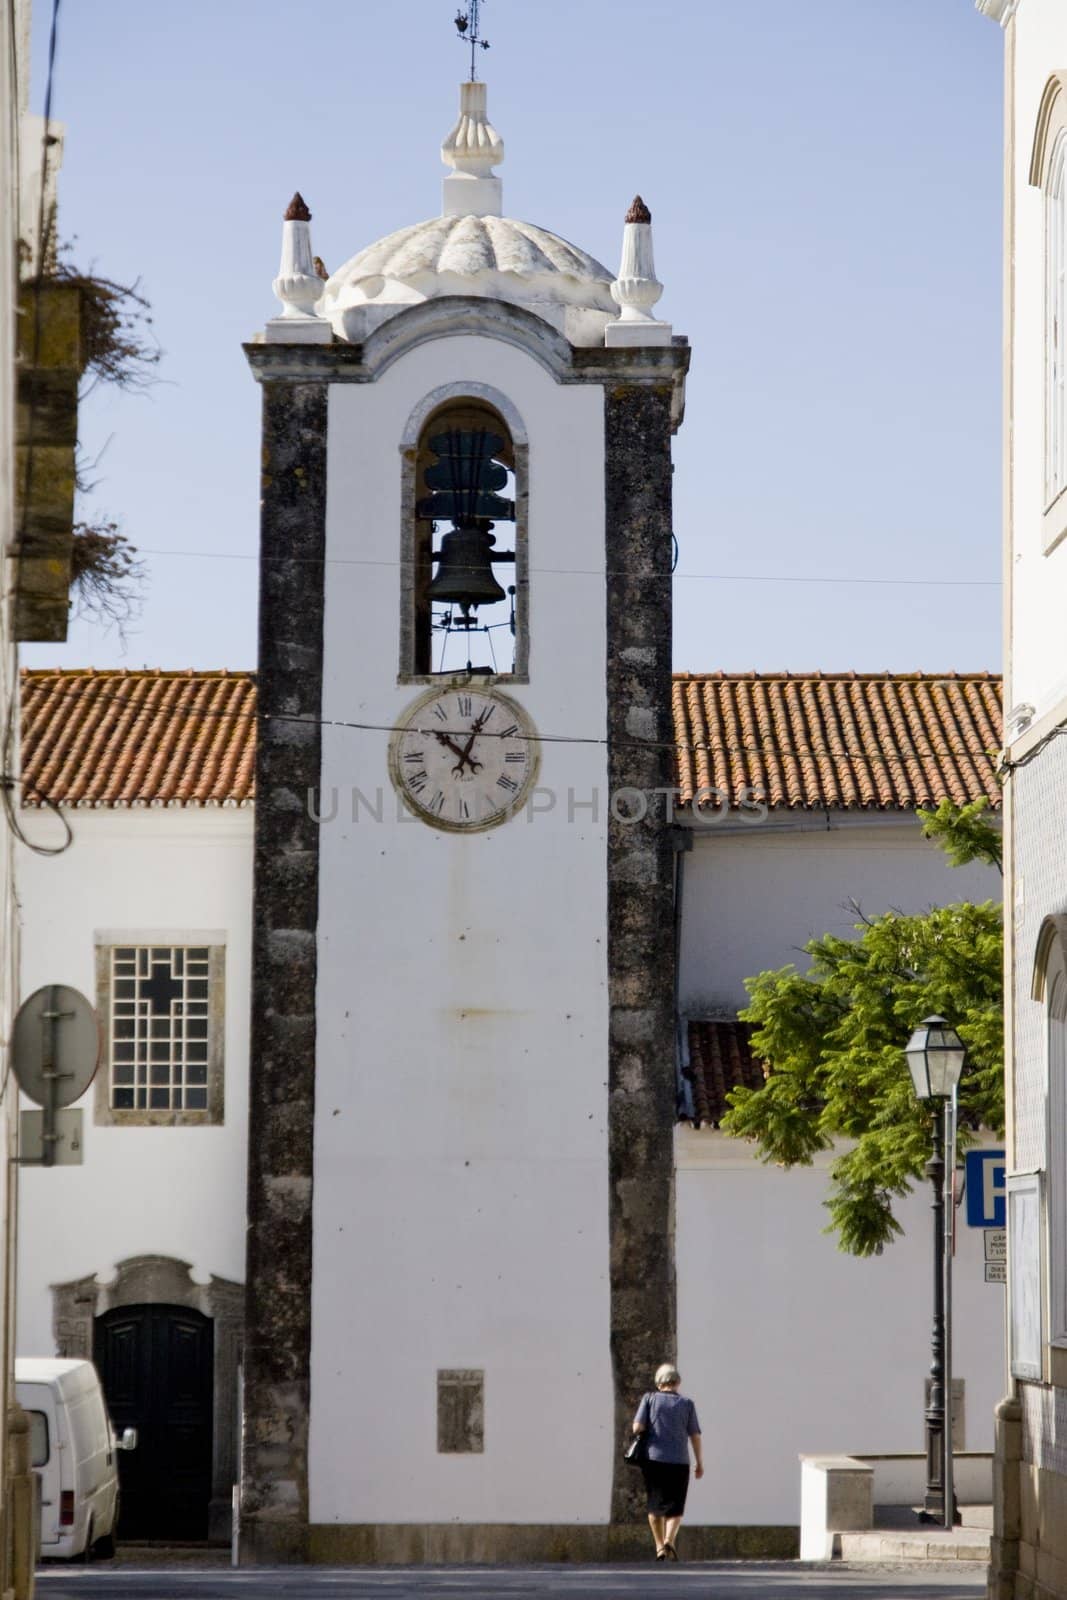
(1024, 1226)
(996, 1244)
(996, 1272)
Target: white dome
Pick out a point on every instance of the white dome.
(490, 256)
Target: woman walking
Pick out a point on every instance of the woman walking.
(670, 1420)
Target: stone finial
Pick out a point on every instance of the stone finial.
(472, 150)
(298, 286)
(637, 289)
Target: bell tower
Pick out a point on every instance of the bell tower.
(463, 1071)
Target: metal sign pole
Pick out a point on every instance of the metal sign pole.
(950, 1226)
(49, 1030)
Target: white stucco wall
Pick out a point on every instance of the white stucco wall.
(754, 896)
(1036, 669)
(460, 1198)
(166, 1191)
(789, 1346)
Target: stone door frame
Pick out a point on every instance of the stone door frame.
(163, 1280)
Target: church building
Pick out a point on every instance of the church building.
(402, 1168)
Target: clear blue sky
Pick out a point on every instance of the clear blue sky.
(825, 184)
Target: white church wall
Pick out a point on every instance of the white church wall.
(461, 1102)
(789, 1346)
(754, 896)
(141, 1190)
(1036, 671)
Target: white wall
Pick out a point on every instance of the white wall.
(166, 1191)
(788, 1346)
(753, 897)
(460, 1197)
(1037, 667)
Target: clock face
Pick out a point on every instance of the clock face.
(464, 758)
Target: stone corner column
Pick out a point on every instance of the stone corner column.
(274, 1512)
(641, 1107)
(1007, 1509)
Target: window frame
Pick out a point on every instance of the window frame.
(35, 1464)
(1048, 172)
(1056, 1133)
(107, 1114)
(493, 409)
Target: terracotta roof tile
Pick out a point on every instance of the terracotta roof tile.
(138, 738)
(854, 741)
(720, 1059)
(874, 742)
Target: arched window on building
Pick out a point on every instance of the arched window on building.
(1050, 987)
(1048, 172)
(464, 595)
(1056, 323)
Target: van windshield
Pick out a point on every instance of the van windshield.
(38, 1439)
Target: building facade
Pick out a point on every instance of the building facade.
(800, 811)
(1030, 1543)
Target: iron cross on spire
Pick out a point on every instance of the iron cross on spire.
(468, 26)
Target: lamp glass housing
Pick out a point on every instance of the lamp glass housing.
(935, 1057)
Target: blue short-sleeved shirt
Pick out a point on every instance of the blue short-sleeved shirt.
(671, 1423)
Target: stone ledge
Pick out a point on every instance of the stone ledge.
(504, 1543)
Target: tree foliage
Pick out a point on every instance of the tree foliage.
(833, 1037)
(964, 833)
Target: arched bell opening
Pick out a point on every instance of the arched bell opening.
(466, 599)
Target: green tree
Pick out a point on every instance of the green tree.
(833, 1037)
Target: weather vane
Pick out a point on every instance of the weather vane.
(468, 26)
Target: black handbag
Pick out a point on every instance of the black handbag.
(636, 1452)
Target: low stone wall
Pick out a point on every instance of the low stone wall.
(498, 1543)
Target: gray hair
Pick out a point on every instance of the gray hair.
(667, 1374)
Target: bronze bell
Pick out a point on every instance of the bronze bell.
(465, 568)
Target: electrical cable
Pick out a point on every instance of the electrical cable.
(587, 572)
(901, 752)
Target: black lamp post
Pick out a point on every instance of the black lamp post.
(935, 1057)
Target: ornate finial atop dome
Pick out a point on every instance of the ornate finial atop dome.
(298, 285)
(636, 289)
(472, 150)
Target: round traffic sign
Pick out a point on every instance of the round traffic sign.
(55, 1044)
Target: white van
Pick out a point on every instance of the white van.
(73, 1450)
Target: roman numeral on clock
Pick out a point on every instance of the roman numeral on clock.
(515, 755)
(504, 782)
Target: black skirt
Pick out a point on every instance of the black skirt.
(666, 1485)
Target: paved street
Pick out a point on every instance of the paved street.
(723, 1581)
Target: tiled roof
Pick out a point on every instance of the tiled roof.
(855, 741)
(720, 1059)
(138, 738)
(872, 742)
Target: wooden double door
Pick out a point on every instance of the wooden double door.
(156, 1363)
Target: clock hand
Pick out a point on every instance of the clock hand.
(464, 755)
(476, 728)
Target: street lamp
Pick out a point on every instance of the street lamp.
(935, 1056)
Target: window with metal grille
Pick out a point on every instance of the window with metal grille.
(160, 1027)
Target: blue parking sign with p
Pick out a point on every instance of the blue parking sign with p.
(986, 1203)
